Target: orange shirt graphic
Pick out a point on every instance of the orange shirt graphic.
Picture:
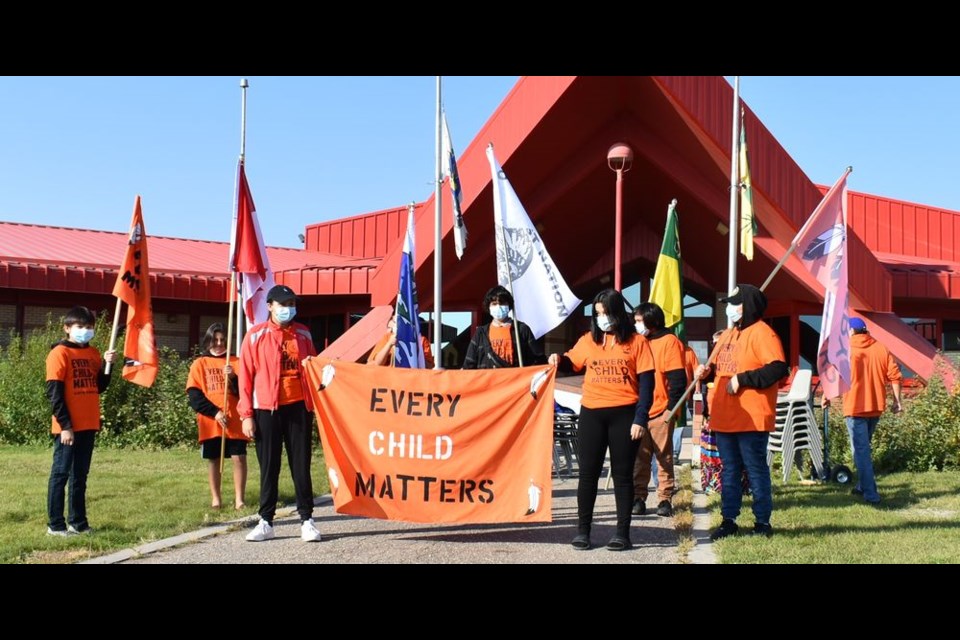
(206, 374)
(501, 341)
(78, 370)
(667, 356)
(739, 351)
(612, 368)
(291, 390)
(871, 369)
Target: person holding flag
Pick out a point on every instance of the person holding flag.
(384, 353)
(276, 407)
(501, 342)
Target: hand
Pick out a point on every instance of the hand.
(733, 386)
(554, 359)
(392, 340)
(227, 370)
(66, 437)
(304, 362)
(701, 372)
(221, 418)
(897, 407)
(636, 432)
(249, 427)
(825, 402)
(110, 356)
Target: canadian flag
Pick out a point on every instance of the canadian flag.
(248, 255)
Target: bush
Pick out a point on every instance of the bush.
(159, 416)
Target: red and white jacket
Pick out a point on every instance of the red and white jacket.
(259, 377)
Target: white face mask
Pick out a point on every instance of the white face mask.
(734, 312)
(641, 328)
(80, 335)
(604, 323)
(499, 311)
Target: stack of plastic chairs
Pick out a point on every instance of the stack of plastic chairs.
(796, 426)
(564, 438)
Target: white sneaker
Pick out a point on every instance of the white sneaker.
(61, 533)
(79, 532)
(309, 532)
(261, 532)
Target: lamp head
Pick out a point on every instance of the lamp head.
(620, 157)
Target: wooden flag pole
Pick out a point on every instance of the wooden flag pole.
(113, 333)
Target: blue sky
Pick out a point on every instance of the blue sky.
(75, 151)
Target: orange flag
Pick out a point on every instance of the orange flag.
(133, 287)
(436, 446)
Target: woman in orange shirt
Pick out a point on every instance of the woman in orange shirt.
(205, 387)
(617, 396)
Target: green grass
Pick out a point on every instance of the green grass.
(918, 522)
(133, 497)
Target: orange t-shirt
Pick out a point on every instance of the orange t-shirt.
(427, 353)
(667, 356)
(501, 341)
(612, 368)
(77, 369)
(691, 362)
(749, 409)
(872, 367)
(291, 389)
(206, 374)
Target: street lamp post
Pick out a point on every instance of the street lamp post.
(619, 159)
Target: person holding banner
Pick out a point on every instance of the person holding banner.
(211, 381)
(670, 381)
(495, 344)
(384, 352)
(749, 366)
(275, 407)
(76, 377)
(615, 409)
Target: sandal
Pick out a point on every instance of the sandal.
(581, 542)
(619, 543)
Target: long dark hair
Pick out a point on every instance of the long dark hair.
(612, 301)
(212, 330)
(652, 315)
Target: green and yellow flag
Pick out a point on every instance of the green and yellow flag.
(748, 221)
(667, 290)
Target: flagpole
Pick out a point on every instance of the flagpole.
(803, 229)
(113, 333)
(790, 250)
(437, 238)
(734, 191)
(231, 295)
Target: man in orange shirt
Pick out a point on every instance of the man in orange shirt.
(871, 369)
(749, 365)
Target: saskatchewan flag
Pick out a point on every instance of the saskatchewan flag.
(667, 290)
(748, 222)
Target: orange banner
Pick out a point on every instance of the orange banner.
(436, 446)
(133, 287)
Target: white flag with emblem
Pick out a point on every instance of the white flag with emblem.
(542, 298)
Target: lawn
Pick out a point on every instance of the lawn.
(917, 522)
(133, 497)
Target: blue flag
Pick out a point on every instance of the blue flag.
(409, 348)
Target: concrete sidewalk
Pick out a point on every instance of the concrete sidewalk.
(353, 540)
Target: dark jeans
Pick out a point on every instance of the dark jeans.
(597, 430)
(71, 463)
(738, 451)
(288, 426)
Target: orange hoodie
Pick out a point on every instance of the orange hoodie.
(871, 369)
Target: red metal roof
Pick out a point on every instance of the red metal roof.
(365, 236)
(64, 259)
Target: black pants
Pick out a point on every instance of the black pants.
(289, 425)
(71, 463)
(599, 429)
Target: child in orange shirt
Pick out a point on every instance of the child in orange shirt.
(75, 380)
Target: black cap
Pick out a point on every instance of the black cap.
(281, 293)
(735, 297)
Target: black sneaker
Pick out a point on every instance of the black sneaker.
(581, 542)
(619, 543)
(760, 529)
(665, 509)
(639, 507)
(726, 528)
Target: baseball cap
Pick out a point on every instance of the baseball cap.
(281, 293)
(735, 297)
(857, 324)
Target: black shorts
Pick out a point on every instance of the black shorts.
(210, 449)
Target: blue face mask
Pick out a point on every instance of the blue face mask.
(604, 323)
(283, 315)
(80, 335)
(734, 312)
(500, 312)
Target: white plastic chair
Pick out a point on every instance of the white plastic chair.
(796, 426)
